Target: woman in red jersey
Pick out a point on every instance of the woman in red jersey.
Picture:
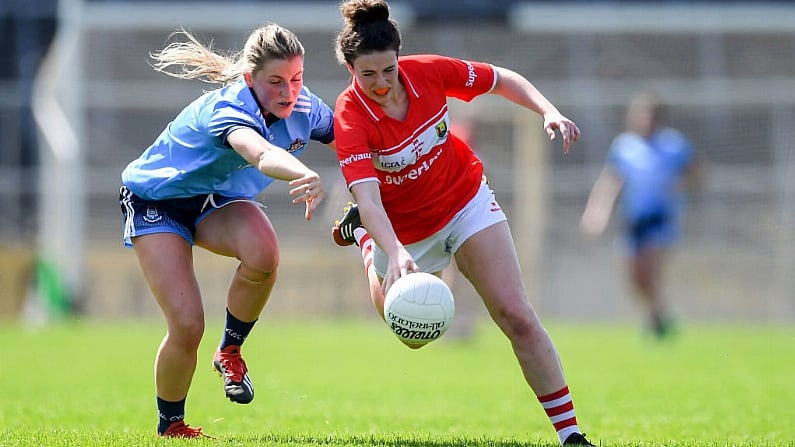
(420, 198)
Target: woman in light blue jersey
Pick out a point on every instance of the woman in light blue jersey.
(195, 185)
(647, 168)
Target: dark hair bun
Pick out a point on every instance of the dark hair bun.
(357, 12)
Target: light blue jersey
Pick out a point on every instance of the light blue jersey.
(652, 171)
(191, 156)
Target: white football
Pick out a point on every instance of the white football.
(419, 308)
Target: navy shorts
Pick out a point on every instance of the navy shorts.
(179, 216)
(657, 229)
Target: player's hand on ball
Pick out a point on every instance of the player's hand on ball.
(398, 267)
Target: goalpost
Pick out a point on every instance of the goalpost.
(57, 109)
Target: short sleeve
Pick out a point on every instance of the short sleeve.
(461, 79)
(227, 117)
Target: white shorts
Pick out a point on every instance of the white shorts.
(435, 253)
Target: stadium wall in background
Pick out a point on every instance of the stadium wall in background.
(726, 70)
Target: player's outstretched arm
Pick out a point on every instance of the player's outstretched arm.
(600, 203)
(275, 162)
(519, 90)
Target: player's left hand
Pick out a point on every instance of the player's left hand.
(308, 189)
(568, 130)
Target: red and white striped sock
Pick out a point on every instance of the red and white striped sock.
(560, 410)
(365, 243)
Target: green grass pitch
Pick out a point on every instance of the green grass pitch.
(351, 383)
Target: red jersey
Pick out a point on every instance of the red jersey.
(426, 174)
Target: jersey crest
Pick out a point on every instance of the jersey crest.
(441, 129)
(296, 145)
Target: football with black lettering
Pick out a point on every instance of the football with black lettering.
(419, 308)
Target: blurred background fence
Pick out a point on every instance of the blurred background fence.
(727, 71)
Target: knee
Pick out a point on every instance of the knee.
(260, 266)
(519, 323)
(186, 333)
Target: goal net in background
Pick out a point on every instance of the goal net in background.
(726, 73)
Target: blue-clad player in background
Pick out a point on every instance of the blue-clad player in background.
(648, 167)
(195, 185)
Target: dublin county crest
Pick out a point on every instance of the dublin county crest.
(152, 215)
(296, 145)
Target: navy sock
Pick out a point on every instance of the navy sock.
(235, 331)
(169, 413)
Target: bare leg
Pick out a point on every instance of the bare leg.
(645, 273)
(167, 264)
(488, 260)
(253, 241)
(463, 326)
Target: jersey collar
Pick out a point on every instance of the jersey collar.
(373, 109)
